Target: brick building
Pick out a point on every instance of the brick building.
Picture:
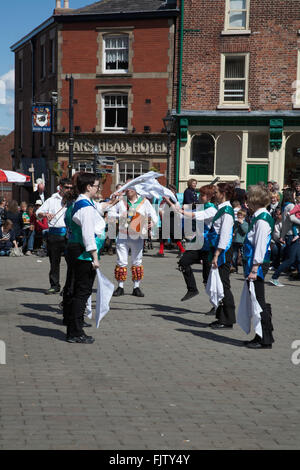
(120, 54)
(6, 152)
(237, 109)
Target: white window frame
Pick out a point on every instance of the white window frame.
(134, 163)
(234, 104)
(229, 10)
(296, 85)
(113, 129)
(114, 36)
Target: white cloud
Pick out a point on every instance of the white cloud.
(9, 80)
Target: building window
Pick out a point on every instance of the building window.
(203, 155)
(43, 61)
(52, 56)
(237, 14)
(258, 145)
(130, 170)
(115, 112)
(234, 79)
(84, 166)
(115, 54)
(216, 155)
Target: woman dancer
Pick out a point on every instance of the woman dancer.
(257, 258)
(220, 236)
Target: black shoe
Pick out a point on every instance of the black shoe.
(220, 326)
(137, 292)
(84, 339)
(189, 295)
(211, 312)
(52, 290)
(119, 291)
(86, 325)
(256, 339)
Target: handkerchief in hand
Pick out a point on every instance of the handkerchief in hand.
(249, 310)
(105, 290)
(214, 287)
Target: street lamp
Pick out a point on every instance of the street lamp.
(168, 123)
(96, 153)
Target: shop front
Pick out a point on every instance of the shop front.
(256, 147)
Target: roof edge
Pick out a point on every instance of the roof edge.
(33, 33)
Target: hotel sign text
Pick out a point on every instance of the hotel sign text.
(115, 147)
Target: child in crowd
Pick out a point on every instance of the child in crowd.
(40, 226)
(240, 230)
(236, 207)
(28, 240)
(276, 246)
(7, 238)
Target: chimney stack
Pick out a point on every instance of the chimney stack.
(58, 4)
(66, 4)
(61, 6)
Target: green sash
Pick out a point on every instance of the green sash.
(263, 216)
(223, 210)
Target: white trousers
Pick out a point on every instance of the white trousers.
(122, 248)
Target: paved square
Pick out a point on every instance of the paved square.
(156, 377)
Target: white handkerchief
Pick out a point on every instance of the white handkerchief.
(249, 310)
(105, 290)
(88, 307)
(214, 287)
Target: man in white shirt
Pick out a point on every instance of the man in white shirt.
(136, 215)
(54, 209)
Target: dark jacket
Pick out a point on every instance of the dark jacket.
(17, 220)
(36, 196)
(7, 244)
(190, 197)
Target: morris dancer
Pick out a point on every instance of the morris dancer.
(133, 213)
(86, 240)
(257, 258)
(220, 237)
(193, 256)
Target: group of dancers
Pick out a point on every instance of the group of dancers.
(85, 226)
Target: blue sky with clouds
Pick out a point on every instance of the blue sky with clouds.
(18, 18)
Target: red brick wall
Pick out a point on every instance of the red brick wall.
(272, 45)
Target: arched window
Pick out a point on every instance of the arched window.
(228, 154)
(202, 155)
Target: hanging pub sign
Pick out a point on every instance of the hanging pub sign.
(41, 118)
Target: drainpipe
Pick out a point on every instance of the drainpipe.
(179, 89)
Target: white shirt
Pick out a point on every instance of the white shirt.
(259, 237)
(54, 205)
(91, 223)
(120, 210)
(223, 227)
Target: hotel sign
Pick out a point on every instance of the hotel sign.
(115, 146)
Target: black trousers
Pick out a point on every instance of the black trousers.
(190, 257)
(56, 249)
(266, 314)
(225, 312)
(82, 276)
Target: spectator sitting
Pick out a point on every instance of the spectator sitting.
(7, 238)
(15, 216)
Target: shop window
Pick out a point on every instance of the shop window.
(115, 54)
(228, 154)
(130, 170)
(234, 79)
(115, 110)
(258, 145)
(237, 14)
(202, 155)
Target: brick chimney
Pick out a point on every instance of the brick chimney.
(62, 6)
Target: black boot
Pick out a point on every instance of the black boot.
(137, 292)
(119, 291)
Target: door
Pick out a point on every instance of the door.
(256, 173)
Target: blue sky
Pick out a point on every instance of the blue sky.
(19, 17)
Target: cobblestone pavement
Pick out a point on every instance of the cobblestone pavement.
(156, 377)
